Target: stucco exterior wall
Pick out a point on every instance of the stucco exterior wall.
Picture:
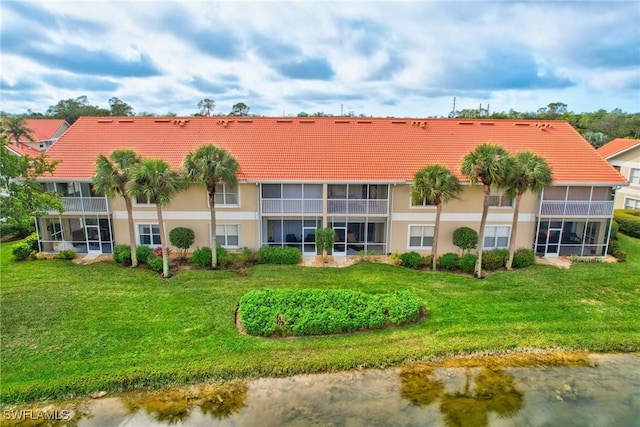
(626, 161)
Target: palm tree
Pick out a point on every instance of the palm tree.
(209, 166)
(437, 185)
(530, 172)
(112, 178)
(154, 180)
(488, 164)
(16, 127)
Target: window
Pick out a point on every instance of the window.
(149, 234)
(496, 237)
(630, 203)
(634, 176)
(498, 199)
(227, 235)
(420, 236)
(226, 194)
(143, 200)
(424, 201)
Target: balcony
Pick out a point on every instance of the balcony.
(577, 208)
(292, 206)
(358, 206)
(85, 204)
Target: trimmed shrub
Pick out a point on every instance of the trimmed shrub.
(426, 261)
(67, 254)
(182, 238)
(628, 221)
(143, 253)
(616, 251)
(523, 257)
(494, 259)
(448, 261)
(38, 256)
(32, 241)
(410, 259)
(221, 253)
(285, 312)
(250, 255)
(202, 257)
(21, 251)
(122, 254)
(467, 263)
(155, 262)
(614, 229)
(237, 260)
(278, 255)
(465, 238)
(324, 239)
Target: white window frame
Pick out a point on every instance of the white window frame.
(226, 235)
(422, 235)
(146, 202)
(423, 205)
(634, 176)
(490, 231)
(224, 191)
(501, 199)
(631, 203)
(139, 234)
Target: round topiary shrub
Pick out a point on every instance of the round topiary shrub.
(523, 257)
(182, 238)
(410, 259)
(467, 263)
(465, 238)
(448, 261)
(494, 259)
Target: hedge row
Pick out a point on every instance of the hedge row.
(628, 221)
(272, 312)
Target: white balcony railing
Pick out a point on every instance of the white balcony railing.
(358, 206)
(571, 208)
(85, 204)
(294, 206)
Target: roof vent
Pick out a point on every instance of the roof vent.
(342, 121)
(125, 121)
(245, 121)
(284, 121)
(420, 124)
(223, 123)
(487, 124)
(162, 120)
(307, 121)
(543, 126)
(364, 121)
(523, 124)
(465, 123)
(105, 121)
(398, 122)
(180, 122)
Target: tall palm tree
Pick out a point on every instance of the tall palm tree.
(530, 172)
(16, 127)
(208, 166)
(437, 185)
(490, 165)
(111, 178)
(155, 180)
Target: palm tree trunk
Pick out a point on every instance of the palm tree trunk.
(514, 228)
(132, 231)
(212, 232)
(483, 223)
(436, 231)
(163, 238)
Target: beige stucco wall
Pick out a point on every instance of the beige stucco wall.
(626, 161)
(462, 212)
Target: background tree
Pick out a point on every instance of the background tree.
(16, 128)
(206, 106)
(71, 109)
(529, 172)
(22, 198)
(437, 185)
(155, 180)
(489, 165)
(119, 107)
(239, 109)
(111, 177)
(209, 166)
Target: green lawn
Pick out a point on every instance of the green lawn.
(69, 329)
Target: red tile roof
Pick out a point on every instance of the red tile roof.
(618, 146)
(24, 150)
(329, 148)
(43, 129)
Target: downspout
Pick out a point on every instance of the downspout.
(259, 188)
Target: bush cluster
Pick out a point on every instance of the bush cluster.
(448, 261)
(628, 221)
(155, 263)
(272, 312)
(467, 263)
(22, 250)
(616, 251)
(238, 260)
(410, 259)
(67, 254)
(494, 259)
(278, 255)
(158, 251)
(122, 254)
(523, 257)
(201, 256)
(143, 253)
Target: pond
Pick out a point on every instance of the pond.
(601, 390)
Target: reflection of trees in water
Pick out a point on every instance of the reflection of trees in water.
(492, 391)
(172, 406)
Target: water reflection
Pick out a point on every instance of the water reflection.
(485, 390)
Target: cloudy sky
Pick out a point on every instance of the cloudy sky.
(380, 58)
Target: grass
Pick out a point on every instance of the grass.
(69, 329)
